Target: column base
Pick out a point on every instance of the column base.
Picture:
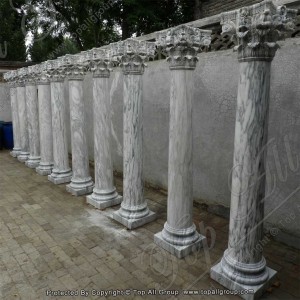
(103, 203)
(133, 223)
(33, 162)
(178, 251)
(80, 187)
(59, 177)
(23, 156)
(217, 274)
(15, 152)
(44, 169)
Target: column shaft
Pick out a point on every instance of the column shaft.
(33, 125)
(104, 193)
(15, 120)
(61, 172)
(45, 121)
(180, 171)
(24, 154)
(179, 235)
(81, 182)
(134, 211)
(248, 178)
(256, 30)
(133, 148)
(242, 265)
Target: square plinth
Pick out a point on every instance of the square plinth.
(43, 172)
(22, 159)
(133, 223)
(32, 164)
(15, 153)
(253, 292)
(59, 180)
(178, 251)
(81, 191)
(103, 203)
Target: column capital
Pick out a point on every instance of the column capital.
(20, 78)
(43, 77)
(55, 69)
(74, 66)
(132, 54)
(256, 29)
(11, 77)
(182, 44)
(32, 75)
(100, 62)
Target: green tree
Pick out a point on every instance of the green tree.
(12, 38)
(51, 47)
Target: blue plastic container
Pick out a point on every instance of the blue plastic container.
(1, 135)
(8, 139)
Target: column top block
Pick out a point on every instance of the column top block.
(132, 47)
(74, 66)
(182, 44)
(132, 54)
(183, 36)
(256, 29)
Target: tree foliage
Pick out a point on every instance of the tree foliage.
(12, 39)
(76, 25)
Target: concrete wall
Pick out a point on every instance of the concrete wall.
(5, 108)
(215, 90)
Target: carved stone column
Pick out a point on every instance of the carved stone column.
(255, 30)
(104, 193)
(11, 78)
(134, 210)
(32, 118)
(81, 182)
(182, 44)
(24, 154)
(61, 172)
(45, 121)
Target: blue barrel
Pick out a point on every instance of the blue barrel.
(8, 139)
(1, 135)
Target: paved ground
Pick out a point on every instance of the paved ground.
(50, 240)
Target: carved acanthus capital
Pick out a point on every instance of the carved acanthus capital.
(32, 75)
(257, 28)
(11, 77)
(43, 76)
(56, 69)
(100, 63)
(21, 77)
(182, 44)
(132, 55)
(74, 66)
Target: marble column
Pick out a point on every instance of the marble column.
(134, 211)
(61, 172)
(179, 235)
(11, 78)
(21, 99)
(104, 193)
(45, 121)
(32, 118)
(81, 182)
(255, 30)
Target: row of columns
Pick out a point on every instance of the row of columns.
(255, 30)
